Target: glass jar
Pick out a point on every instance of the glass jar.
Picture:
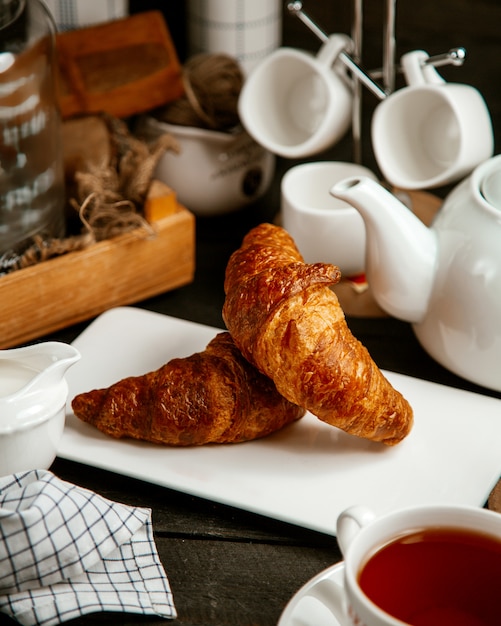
(31, 163)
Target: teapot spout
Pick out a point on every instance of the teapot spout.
(401, 251)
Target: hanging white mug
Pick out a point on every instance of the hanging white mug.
(430, 133)
(295, 104)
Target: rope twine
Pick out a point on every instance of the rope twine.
(212, 85)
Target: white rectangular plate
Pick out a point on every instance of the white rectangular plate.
(305, 474)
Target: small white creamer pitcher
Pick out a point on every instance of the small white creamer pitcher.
(33, 394)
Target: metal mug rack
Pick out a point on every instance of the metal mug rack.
(352, 60)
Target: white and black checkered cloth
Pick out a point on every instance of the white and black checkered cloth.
(65, 551)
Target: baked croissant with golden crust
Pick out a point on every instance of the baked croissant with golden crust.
(214, 396)
(287, 321)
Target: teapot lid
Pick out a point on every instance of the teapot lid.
(486, 183)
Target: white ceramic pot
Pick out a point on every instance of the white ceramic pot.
(446, 279)
(214, 172)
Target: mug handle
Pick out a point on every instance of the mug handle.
(349, 524)
(332, 48)
(417, 72)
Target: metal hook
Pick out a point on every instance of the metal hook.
(389, 46)
(296, 8)
(356, 117)
(455, 56)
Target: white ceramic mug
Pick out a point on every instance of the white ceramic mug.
(430, 133)
(325, 229)
(361, 534)
(296, 104)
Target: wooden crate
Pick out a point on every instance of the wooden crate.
(75, 287)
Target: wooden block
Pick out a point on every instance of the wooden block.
(80, 285)
(161, 201)
(122, 67)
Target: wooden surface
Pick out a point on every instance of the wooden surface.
(228, 567)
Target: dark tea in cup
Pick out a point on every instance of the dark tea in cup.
(438, 576)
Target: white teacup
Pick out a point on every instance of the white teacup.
(325, 229)
(442, 549)
(430, 133)
(295, 104)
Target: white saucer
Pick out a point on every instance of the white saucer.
(304, 610)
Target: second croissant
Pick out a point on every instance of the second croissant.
(213, 396)
(287, 321)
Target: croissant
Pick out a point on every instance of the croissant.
(287, 321)
(214, 396)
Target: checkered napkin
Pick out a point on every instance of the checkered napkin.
(66, 551)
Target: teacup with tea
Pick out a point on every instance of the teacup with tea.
(420, 566)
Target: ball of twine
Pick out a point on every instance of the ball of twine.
(212, 84)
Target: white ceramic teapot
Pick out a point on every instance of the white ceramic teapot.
(446, 279)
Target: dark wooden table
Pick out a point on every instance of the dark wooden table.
(227, 566)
